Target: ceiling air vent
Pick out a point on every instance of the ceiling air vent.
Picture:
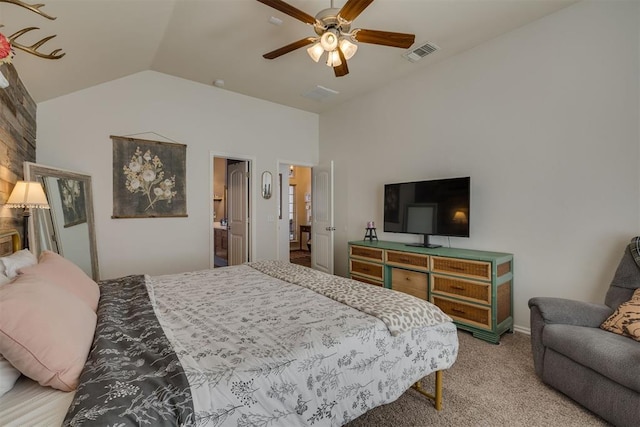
(420, 52)
(320, 93)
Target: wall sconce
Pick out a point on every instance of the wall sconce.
(267, 179)
(27, 195)
(460, 217)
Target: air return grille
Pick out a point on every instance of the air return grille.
(420, 52)
(320, 93)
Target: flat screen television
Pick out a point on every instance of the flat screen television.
(435, 207)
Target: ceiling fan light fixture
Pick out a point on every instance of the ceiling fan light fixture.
(333, 59)
(332, 27)
(315, 51)
(329, 40)
(348, 49)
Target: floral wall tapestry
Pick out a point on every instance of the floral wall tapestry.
(149, 178)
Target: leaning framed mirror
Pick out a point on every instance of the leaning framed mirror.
(68, 228)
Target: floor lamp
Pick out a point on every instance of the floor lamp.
(27, 195)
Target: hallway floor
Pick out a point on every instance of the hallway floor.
(300, 257)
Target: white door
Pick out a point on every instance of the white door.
(322, 227)
(283, 213)
(238, 222)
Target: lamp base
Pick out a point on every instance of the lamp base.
(25, 225)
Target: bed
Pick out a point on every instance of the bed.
(262, 344)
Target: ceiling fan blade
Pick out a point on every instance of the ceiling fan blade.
(353, 8)
(289, 48)
(385, 38)
(290, 10)
(342, 69)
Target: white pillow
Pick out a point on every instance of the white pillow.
(16, 261)
(3, 279)
(8, 375)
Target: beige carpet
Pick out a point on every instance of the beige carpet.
(489, 385)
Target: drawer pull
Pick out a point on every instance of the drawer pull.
(455, 267)
(457, 310)
(460, 288)
(366, 269)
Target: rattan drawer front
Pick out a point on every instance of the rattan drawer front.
(366, 280)
(404, 259)
(409, 282)
(461, 288)
(466, 313)
(460, 267)
(367, 269)
(368, 253)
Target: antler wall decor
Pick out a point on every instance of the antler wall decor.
(33, 49)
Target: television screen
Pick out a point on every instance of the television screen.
(435, 207)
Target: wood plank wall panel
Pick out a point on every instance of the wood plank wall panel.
(17, 141)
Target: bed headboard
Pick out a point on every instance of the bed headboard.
(9, 242)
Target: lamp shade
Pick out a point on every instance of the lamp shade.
(348, 48)
(315, 51)
(460, 216)
(333, 59)
(28, 194)
(329, 40)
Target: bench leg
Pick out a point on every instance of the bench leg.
(437, 397)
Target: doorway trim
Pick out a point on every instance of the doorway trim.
(252, 200)
(279, 164)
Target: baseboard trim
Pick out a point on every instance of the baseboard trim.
(522, 329)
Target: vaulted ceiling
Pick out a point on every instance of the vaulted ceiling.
(208, 40)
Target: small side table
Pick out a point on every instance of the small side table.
(370, 234)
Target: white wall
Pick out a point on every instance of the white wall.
(74, 130)
(545, 121)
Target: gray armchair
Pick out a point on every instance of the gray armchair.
(598, 369)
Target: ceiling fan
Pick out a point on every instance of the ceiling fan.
(334, 34)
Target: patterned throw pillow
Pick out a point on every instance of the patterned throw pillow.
(634, 247)
(626, 319)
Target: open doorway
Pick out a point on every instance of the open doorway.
(230, 211)
(297, 211)
(307, 206)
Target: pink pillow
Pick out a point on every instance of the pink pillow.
(61, 272)
(45, 331)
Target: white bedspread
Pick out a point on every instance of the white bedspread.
(262, 352)
(30, 404)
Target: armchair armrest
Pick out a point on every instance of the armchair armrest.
(570, 312)
(546, 311)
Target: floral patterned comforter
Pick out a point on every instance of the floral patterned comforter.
(132, 375)
(259, 351)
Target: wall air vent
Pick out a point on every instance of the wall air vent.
(414, 55)
(320, 93)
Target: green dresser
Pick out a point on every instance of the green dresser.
(475, 288)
